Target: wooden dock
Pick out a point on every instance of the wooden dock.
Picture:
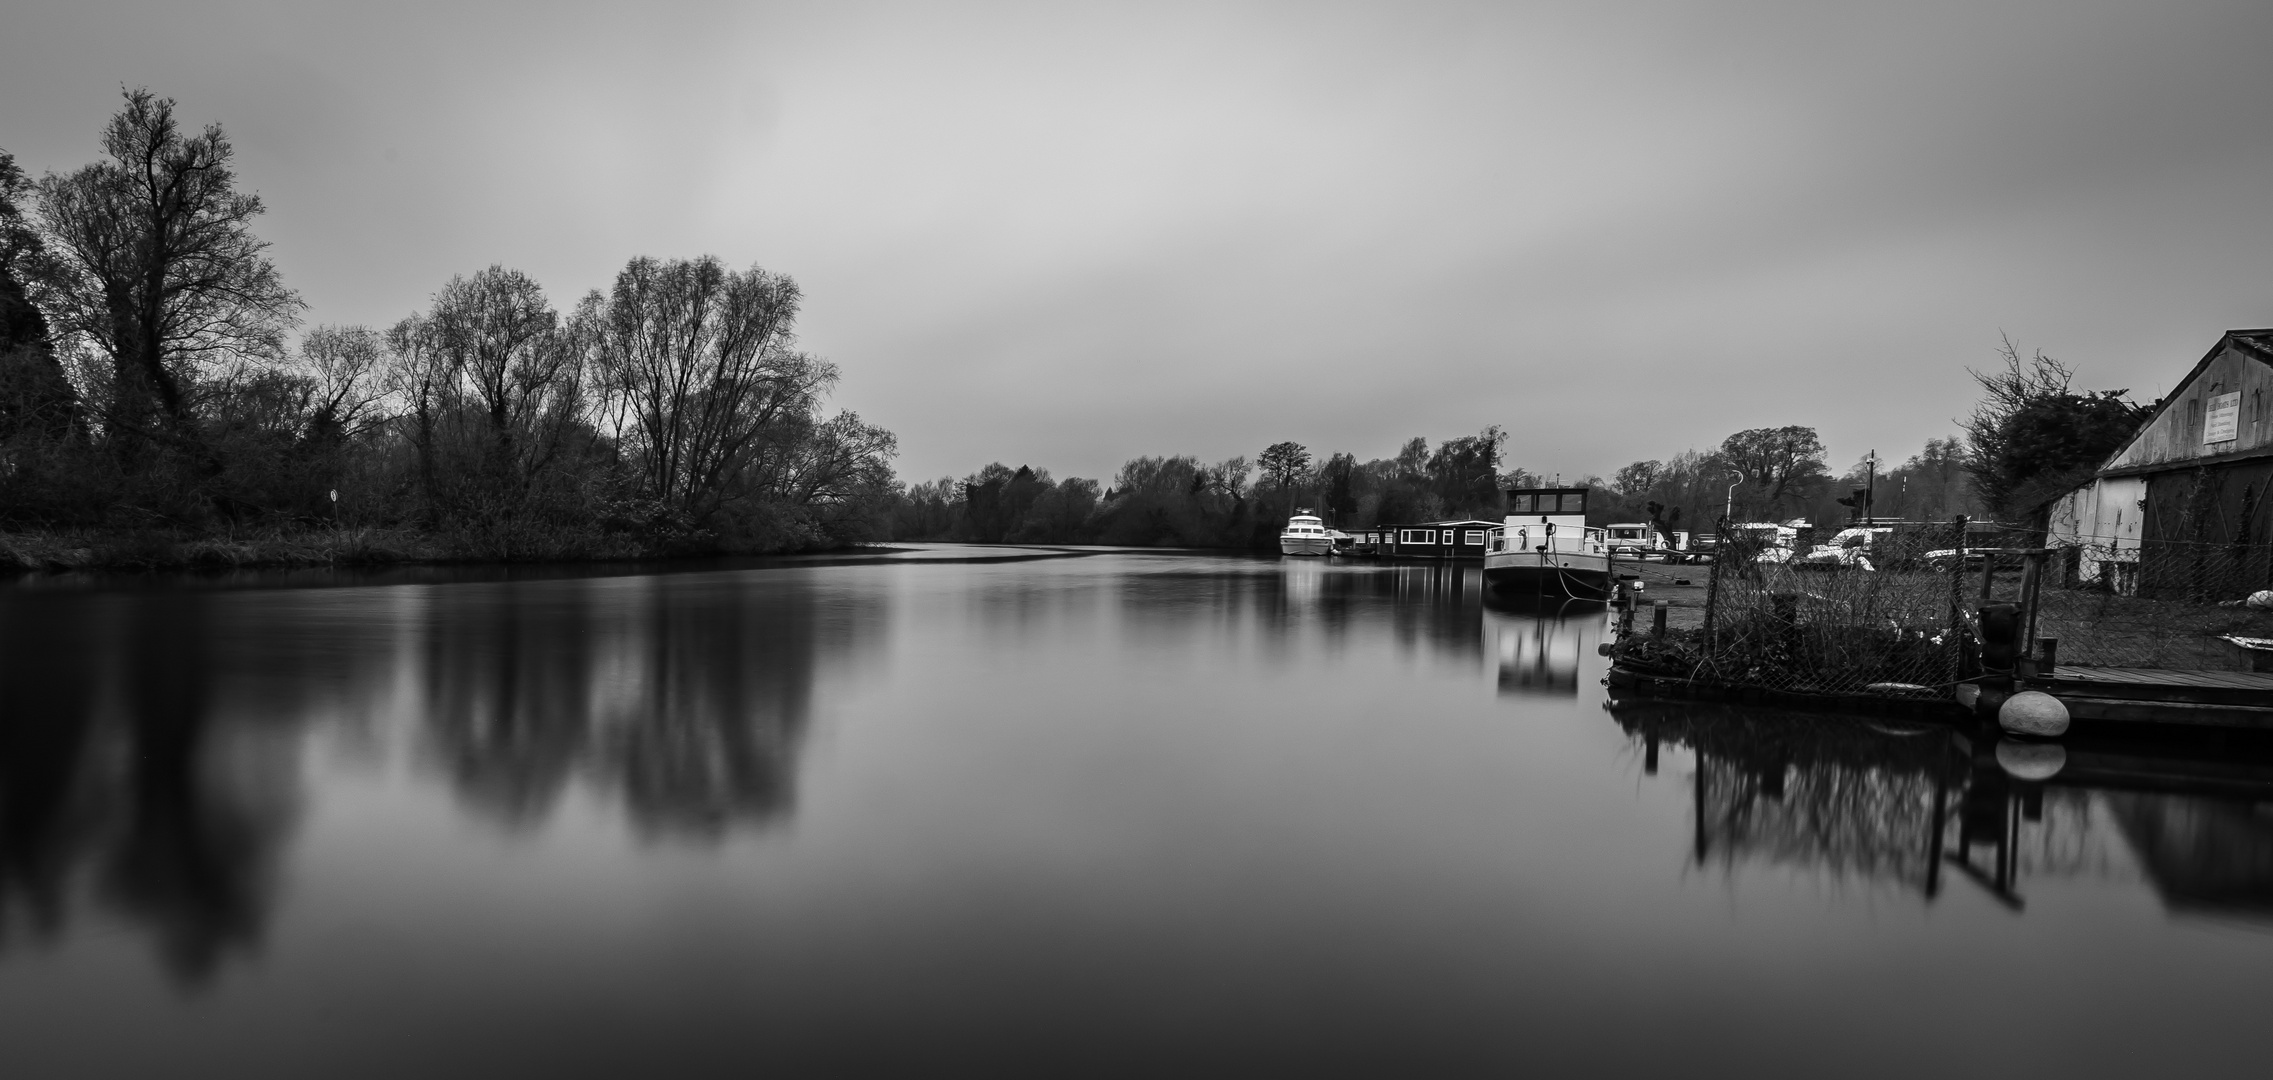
(2229, 699)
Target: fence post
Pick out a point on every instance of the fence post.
(1957, 601)
(1713, 587)
(2031, 582)
(2031, 576)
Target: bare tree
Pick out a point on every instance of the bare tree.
(709, 393)
(491, 386)
(35, 397)
(155, 267)
(343, 365)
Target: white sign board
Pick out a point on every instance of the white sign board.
(2225, 418)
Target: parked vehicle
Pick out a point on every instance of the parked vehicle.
(1848, 548)
(1642, 540)
(1777, 543)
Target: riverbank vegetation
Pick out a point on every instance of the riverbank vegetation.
(156, 410)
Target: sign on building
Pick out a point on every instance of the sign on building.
(2225, 418)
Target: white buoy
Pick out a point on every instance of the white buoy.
(2034, 712)
(2031, 760)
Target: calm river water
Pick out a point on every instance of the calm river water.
(1119, 813)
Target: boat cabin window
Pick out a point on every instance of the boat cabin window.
(1475, 536)
(1574, 503)
(1519, 504)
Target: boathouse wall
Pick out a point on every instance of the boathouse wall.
(2199, 473)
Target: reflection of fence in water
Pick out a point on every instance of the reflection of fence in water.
(1868, 802)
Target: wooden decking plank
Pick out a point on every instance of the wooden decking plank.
(2177, 713)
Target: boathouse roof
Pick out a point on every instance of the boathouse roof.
(2221, 411)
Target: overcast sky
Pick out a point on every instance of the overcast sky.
(1066, 234)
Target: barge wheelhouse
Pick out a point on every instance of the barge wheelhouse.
(1546, 548)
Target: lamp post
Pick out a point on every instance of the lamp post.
(1870, 484)
(1728, 510)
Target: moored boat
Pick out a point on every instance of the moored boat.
(1305, 534)
(1546, 548)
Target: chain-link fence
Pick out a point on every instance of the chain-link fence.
(1850, 612)
(1868, 606)
(2118, 602)
(1886, 608)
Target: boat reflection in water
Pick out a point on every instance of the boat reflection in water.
(1918, 806)
(1542, 646)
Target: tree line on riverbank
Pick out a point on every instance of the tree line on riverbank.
(151, 393)
(1182, 501)
(2030, 438)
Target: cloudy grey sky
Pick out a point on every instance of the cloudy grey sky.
(1067, 234)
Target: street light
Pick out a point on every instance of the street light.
(1729, 510)
(1870, 485)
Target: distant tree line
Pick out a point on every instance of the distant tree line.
(1779, 474)
(2031, 437)
(149, 381)
(1185, 502)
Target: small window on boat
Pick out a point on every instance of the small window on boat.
(1519, 504)
(1574, 504)
(1475, 536)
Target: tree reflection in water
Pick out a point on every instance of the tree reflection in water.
(1914, 804)
(153, 743)
(686, 696)
(119, 783)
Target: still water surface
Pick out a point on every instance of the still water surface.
(1121, 813)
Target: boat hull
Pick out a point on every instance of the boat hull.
(1306, 545)
(1578, 575)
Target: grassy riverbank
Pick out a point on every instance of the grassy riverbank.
(65, 551)
(22, 553)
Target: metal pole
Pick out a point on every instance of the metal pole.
(1870, 486)
(1728, 509)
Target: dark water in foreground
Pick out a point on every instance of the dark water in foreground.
(1121, 813)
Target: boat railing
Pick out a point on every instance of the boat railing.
(1586, 539)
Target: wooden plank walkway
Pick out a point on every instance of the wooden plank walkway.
(2237, 699)
(2260, 681)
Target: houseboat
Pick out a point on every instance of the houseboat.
(1305, 534)
(1464, 539)
(1546, 548)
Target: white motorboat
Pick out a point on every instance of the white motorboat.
(1305, 534)
(1546, 548)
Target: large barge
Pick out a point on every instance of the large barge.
(1546, 548)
